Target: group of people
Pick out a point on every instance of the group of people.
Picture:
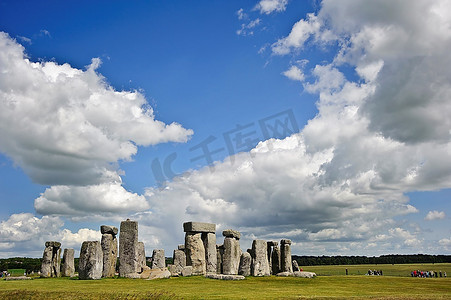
(427, 274)
(4, 274)
(375, 272)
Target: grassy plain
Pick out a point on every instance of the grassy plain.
(325, 287)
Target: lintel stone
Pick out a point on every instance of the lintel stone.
(199, 227)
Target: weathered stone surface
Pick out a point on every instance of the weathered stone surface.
(51, 260)
(128, 249)
(231, 233)
(106, 229)
(304, 274)
(109, 250)
(209, 240)
(245, 264)
(9, 278)
(231, 256)
(158, 259)
(187, 271)
(275, 259)
(195, 252)
(174, 271)
(152, 274)
(199, 227)
(224, 277)
(295, 266)
(179, 261)
(181, 247)
(272, 243)
(91, 260)
(68, 267)
(285, 274)
(46, 265)
(260, 262)
(141, 250)
(285, 242)
(269, 246)
(219, 254)
(297, 274)
(285, 256)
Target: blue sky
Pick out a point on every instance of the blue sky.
(360, 159)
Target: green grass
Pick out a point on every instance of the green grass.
(327, 287)
(16, 272)
(388, 270)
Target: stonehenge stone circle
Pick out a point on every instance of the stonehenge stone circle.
(200, 247)
(51, 260)
(109, 249)
(91, 260)
(245, 264)
(232, 254)
(68, 267)
(260, 262)
(129, 266)
(285, 257)
(232, 233)
(158, 259)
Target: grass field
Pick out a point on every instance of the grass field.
(326, 287)
(16, 272)
(388, 270)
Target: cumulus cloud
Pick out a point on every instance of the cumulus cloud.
(344, 176)
(270, 6)
(435, 215)
(68, 128)
(25, 234)
(294, 73)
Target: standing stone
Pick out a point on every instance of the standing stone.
(271, 245)
(260, 262)
(211, 260)
(91, 260)
(285, 257)
(109, 249)
(128, 249)
(195, 253)
(68, 268)
(51, 260)
(200, 243)
(179, 261)
(141, 250)
(295, 266)
(275, 259)
(158, 259)
(219, 254)
(232, 252)
(245, 264)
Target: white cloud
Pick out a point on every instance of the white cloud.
(246, 29)
(68, 128)
(80, 200)
(241, 14)
(339, 179)
(294, 73)
(435, 215)
(270, 6)
(25, 235)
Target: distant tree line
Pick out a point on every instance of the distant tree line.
(34, 264)
(372, 260)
